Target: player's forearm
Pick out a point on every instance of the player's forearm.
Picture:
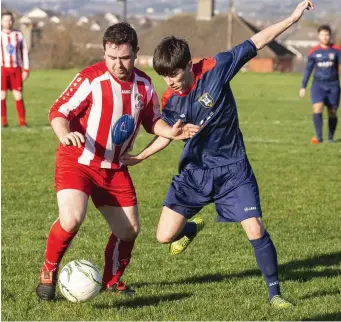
(158, 144)
(308, 70)
(267, 35)
(306, 77)
(60, 127)
(161, 128)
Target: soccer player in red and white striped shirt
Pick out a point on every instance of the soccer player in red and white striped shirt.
(88, 157)
(14, 67)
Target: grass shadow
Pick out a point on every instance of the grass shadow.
(137, 302)
(297, 270)
(336, 316)
(321, 293)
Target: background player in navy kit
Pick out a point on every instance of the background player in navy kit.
(325, 91)
(213, 167)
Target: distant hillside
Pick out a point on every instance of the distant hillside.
(262, 9)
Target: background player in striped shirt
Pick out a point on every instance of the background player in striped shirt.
(14, 67)
(96, 120)
(325, 90)
(213, 167)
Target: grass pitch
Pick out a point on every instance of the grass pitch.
(217, 277)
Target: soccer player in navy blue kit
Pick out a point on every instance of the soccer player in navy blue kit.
(325, 91)
(213, 167)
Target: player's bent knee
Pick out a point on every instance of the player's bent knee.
(3, 95)
(253, 228)
(129, 233)
(71, 221)
(164, 238)
(255, 232)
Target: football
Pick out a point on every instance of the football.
(79, 281)
(123, 129)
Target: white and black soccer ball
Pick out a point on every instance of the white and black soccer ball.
(79, 281)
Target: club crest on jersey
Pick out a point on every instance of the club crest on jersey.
(10, 49)
(138, 101)
(206, 100)
(332, 56)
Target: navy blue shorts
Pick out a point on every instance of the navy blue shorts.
(329, 94)
(232, 188)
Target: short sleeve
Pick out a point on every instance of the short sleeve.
(229, 63)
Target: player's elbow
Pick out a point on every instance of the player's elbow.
(259, 44)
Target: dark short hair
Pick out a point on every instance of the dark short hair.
(7, 13)
(170, 54)
(324, 27)
(121, 33)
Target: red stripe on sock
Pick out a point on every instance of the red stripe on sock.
(117, 258)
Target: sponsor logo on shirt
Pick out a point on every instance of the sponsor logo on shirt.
(206, 119)
(247, 209)
(126, 91)
(10, 49)
(206, 100)
(325, 64)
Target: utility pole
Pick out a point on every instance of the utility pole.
(124, 9)
(229, 24)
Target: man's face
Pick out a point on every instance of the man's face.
(324, 37)
(181, 79)
(120, 60)
(7, 22)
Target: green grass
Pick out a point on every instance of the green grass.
(217, 277)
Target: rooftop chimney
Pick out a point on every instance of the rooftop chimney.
(205, 9)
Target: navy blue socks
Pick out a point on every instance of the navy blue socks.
(318, 123)
(266, 257)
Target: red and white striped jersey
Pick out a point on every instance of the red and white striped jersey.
(94, 101)
(14, 51)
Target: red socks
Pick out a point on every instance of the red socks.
(3, 112)
(57, 243)
(117, 253)
(117, 257)
(21, 112)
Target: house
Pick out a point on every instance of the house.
(37, 14)
(208, 34)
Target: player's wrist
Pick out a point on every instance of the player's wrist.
(142, 156)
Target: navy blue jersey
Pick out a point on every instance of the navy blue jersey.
(326, 63)
(211, 105)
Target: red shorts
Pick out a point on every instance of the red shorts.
(107, 187)
(11, 79)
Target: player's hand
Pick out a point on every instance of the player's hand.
(73, 138)
(298, 12)
(129, 159)
(181, 131)
(24, 75)
(302, 92)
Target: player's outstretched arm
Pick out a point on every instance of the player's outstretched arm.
(178, 131)
(267, 35)
(156, 145)
(61, 127)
